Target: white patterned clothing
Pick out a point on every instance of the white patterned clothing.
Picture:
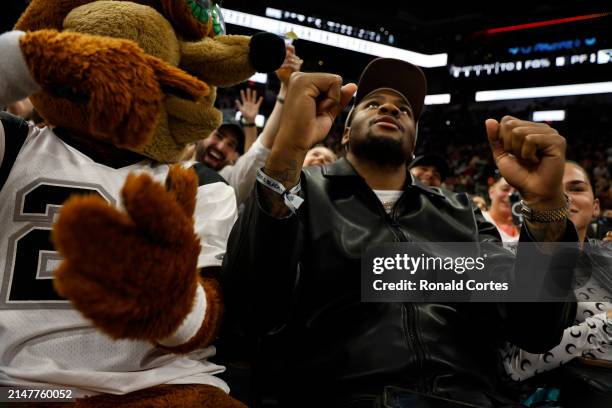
(590, 337)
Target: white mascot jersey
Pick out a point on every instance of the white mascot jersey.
(43, 340)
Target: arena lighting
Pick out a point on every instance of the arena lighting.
(437, 99)
(544, 23)
(544, 91)
(332, 39)
(548, 116)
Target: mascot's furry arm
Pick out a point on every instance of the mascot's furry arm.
(122, 108)
(138, 278)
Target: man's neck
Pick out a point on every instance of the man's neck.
(379, 177)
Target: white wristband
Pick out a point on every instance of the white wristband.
(191, 324)
(292, 200)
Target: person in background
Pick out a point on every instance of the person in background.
(480, 202)
(604, 222)
(222, 147)
(500, 212)
(25, 110)
(430, 169)
(319, 155)
(601, 170)
(22, 108)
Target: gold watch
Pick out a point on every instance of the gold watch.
(545, 216)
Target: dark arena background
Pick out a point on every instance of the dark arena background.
(481, 59)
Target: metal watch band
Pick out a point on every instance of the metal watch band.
(545, 216)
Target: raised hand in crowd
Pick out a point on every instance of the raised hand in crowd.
(249, 105)
(313, 102)
(531, 157)
(291, 64)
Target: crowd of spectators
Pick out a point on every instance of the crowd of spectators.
(469, 160)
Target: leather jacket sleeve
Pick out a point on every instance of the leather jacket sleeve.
(518, 325)
(260, 269)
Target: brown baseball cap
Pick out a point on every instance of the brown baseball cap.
(397, 75)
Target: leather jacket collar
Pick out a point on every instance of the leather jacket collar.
(343, 168)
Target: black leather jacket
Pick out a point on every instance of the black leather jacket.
(292, 291)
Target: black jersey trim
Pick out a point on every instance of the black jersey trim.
(206, 175)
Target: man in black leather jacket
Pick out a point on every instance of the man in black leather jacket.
(292, 272)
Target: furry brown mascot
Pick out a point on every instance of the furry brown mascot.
(123, 317)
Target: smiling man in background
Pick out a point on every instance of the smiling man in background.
(430, 169)
(222, 147)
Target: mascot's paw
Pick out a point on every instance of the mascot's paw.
(133, 273)
(122, 86)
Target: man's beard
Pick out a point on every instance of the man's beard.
(381, 150)
(201, 155)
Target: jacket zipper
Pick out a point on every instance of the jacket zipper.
(408, 309)
(410, 325)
